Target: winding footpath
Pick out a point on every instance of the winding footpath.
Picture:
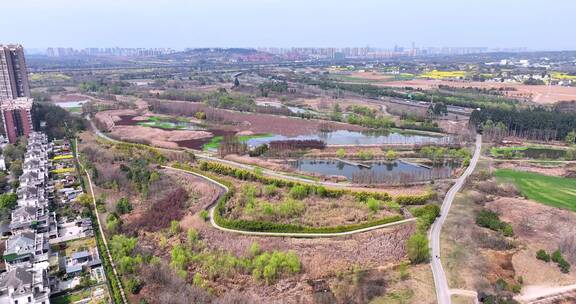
(443, 292)
(280, 234)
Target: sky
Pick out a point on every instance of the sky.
(535, 24)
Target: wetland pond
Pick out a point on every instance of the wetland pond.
(375, 172)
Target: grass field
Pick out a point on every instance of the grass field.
(554, 191)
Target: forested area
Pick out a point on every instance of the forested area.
(59, 122)
(448, 98)
(539, 123)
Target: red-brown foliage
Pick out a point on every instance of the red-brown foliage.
(170, 207)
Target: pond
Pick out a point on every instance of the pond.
(71, 104)
(384, 172)
(344, 137)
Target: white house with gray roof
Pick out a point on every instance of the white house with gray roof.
(24, 285)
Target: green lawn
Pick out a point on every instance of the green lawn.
(550, 190)
(71, 298)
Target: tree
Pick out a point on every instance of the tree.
(391, 155)
(341, 153)
(16, 168)
(113, 223)
(571, 137)
(336, 112)
(417, 247)
(123, 206)
(8, 200)
(134, 285)
(438, 109)
(200, 115)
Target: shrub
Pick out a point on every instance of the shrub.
(501, 284)
(205, 215)
(365, 155)
(556, 256)
(373, 204)
(192, 236)
(564, 266)
(270, 190)
(426, 216)
(391, 155)
(543, 255)
(258, 151)
(123, 206)
(269, 266)
(254, 249)
(491, 220)
(200, 115)
(134, 285)
(197, 280)
(415, 199)
(299, 192)
(417, 248)
(393, 206)
(113, 223)
(174, 227)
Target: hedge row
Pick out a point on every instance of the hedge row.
(415, 199)
(264, 226)
(320, 190)
(113, 281)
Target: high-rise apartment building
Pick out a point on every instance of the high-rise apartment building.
(17, 117)
(13, 74)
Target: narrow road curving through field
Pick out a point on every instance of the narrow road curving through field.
(442, 289)
(279, 234)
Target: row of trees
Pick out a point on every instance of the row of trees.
(448, 98)
(538, 123)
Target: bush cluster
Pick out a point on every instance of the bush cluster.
(491, 220)
(556, 257)
(426, 215)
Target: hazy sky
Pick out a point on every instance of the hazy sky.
(535, 24)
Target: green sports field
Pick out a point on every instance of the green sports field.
(551, 190)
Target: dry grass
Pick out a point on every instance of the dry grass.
(538, 94)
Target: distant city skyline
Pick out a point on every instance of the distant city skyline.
(180, 24)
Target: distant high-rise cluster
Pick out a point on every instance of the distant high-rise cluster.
(15, 97)
(118, 52)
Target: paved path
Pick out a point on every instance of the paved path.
(100, 227)
(282, 234)
(544, 294)
(442, 289)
